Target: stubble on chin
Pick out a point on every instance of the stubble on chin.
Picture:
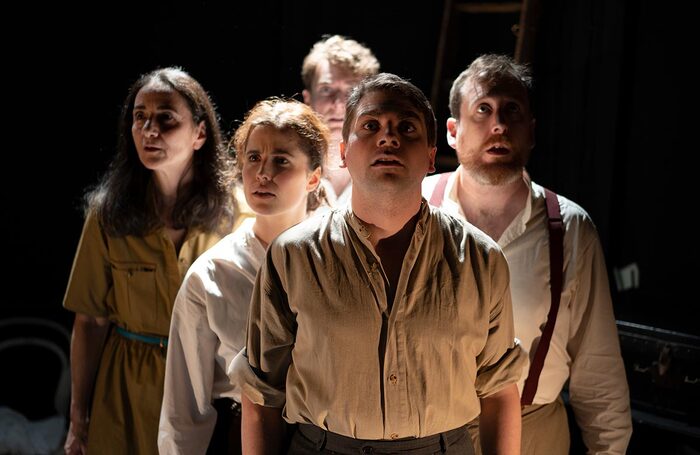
(493, 173)
(496, 174)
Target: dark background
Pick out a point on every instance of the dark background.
(615, 121)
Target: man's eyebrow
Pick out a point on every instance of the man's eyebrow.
(402, 113)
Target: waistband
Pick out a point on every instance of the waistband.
(346, 445)
(229, 405)
(148, 339)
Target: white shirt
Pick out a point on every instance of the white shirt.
(207, 330)
(337, 200)
(585, 347)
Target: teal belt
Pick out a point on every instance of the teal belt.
(160, 341)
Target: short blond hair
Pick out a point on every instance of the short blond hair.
(344, 52)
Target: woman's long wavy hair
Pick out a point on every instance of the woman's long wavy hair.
(126, 201)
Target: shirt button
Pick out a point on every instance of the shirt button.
(393, 379)
(394, 436)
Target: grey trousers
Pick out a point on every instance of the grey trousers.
(310, 439)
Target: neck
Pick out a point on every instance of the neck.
(338, 176)
(339, 179)
(491, 208)
(384, 216)
(168, 184)
(267, 227)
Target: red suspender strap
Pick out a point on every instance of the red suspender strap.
(439, 190)
(556, 271)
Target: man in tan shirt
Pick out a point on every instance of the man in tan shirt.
(492, 130)
(384, 326)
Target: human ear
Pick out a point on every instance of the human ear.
(431, 155)
(452, 132)
(201, 135)
(313, 180)
(341, 144)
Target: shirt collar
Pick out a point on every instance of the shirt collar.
(363, 232)
(517, 226)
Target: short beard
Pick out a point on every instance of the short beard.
(495, 174)
(498, 173)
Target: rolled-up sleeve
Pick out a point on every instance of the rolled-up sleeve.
(90, 283)
(500, 362)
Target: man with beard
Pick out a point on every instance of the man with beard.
(492, 130)
(384, 326)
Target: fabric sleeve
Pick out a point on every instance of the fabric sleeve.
(90, 282)
(500, 362)
(187, 416)
(261, 369)
(597, 386)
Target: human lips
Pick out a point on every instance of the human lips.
(387, 161)
(498, 148)
(152, 148)
(335, 122)
(263, 193)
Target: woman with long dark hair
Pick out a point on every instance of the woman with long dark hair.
(166, 199)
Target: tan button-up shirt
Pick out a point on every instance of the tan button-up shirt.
(323, 343)
(584, 349)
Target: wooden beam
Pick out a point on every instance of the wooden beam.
(477, 8)
(527, 31)
(440, 54)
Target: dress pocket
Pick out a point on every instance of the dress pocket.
(135, 295)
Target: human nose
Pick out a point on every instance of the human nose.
(388, 137)
(264, 173)
(499, 125)
(341, 97)
(150, 129)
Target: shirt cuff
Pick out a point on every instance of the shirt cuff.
(506, 371)
(255, 389)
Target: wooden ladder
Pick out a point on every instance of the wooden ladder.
(524, 17)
